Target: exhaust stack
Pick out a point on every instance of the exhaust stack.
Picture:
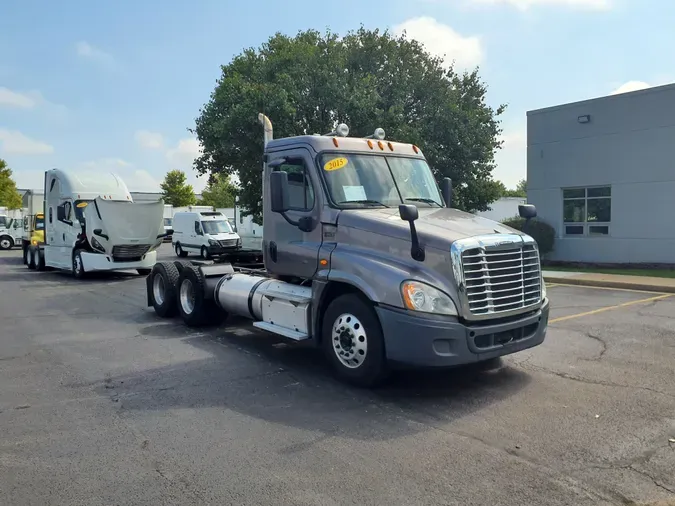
(267, 128)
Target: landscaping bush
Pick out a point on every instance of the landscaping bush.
(539, 230)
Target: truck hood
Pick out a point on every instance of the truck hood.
(436, 227)
(125, 223)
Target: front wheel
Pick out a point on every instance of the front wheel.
(31, 258)
(6, 242)
(78, 266)
(353, 342)
(205, 253)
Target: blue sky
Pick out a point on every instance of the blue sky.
(94, 85)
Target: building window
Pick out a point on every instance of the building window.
(587, 211)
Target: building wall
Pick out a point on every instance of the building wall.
(629, 146)
(502, 209)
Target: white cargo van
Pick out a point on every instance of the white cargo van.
(207, 233)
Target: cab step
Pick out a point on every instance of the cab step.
(282, 331)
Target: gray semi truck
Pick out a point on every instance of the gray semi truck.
(365, 257)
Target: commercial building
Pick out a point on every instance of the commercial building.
(602, 173)
(503, 209)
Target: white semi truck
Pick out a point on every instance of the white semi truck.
(92, 224)
(365, 257)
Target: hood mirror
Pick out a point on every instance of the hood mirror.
(410, 213)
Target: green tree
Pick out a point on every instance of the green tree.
(220, 192)
(9, 197)
(520, 191)
(176, 191)
(308, 83)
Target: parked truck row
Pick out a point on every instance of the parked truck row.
(364, 257)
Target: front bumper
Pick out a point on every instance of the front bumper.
(424, 341)
(100, 262)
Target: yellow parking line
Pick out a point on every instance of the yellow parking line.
(609, 308)
(603, 288)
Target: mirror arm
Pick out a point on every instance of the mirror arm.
(416, 250)
(290, 221)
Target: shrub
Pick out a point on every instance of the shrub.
(539, 230)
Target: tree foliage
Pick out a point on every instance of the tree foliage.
(310, 82)
(520, 190)
(220, 192)
(9, 196)
(176, 191)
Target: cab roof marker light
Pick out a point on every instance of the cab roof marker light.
(391, 146)
(370, 144)
(380, 145)
(416, 149)
(335, 141)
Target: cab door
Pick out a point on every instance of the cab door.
(292, 250)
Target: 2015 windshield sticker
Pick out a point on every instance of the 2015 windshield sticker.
(335, 164)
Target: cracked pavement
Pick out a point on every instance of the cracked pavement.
(102, 402)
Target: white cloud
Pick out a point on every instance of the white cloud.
(16, 143)
(511, 159)
(441, 40)
(16, 99)
(149, 140)
(631, 86)
(135, 179)
(88, 52)
(523, 5)
(185, 152)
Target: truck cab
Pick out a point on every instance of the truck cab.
(92, 224)
(365, 257)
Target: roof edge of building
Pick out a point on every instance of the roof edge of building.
(618, 96)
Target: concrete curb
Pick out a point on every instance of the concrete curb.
(602, 283)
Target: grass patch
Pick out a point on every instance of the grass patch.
(653, 273)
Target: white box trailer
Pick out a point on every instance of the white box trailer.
(92, 224)
(11, 228)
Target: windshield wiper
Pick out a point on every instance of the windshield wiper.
(428, 201)
(364, 201)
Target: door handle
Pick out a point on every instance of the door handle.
(64, 236)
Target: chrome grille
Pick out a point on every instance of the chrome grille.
(130, 251)
(500, 277)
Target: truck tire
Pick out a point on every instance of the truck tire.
(40, 263)
(78, 266)
(205, 253)
(6, 242)
(353, 342)
(30, 261)
(179, 251)
(163, 285)
(180, 264)
(194, 308)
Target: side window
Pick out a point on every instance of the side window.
(300, 191)
(197, 228)
(63, 212)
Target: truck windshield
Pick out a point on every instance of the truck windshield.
(216, 227)
(379, 181)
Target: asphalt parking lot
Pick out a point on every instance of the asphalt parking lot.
(102, 402)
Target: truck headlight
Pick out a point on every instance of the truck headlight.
(213, 242)
(427, 299)
(96, 245)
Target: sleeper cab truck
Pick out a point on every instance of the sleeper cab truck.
(365, 257)
(92, 224)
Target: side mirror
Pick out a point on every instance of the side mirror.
(279, 191)
(527, 211)
(446, 190)
(408, 212)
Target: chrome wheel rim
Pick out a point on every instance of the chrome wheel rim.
(5, 244)
(350, 342)
(187, 296)
(158, 289)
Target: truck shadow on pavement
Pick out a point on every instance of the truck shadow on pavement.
(258, 376)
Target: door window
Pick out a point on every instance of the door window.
(300, 190)
(198, 229)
